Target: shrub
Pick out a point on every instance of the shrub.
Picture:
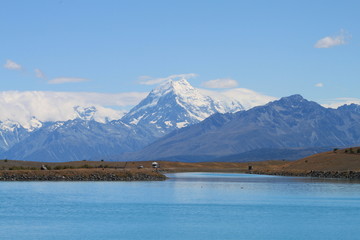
(18, 168)
(86, 166)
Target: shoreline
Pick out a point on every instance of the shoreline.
(80, 175)
(345, 175)
(350, 175)
(335, 164)
(146, 175)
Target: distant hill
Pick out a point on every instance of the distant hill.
(265, 154)
(339, 160)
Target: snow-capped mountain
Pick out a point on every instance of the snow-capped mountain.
(73, 140)
(291, 122)
(12, 132)
(85, 113)
(205, 127)
(174, 105)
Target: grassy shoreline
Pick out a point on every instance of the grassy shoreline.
(344, 163)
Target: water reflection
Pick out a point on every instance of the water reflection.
(242, 177)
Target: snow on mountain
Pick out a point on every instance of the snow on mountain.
(85, 113)
(176, 104)
(246, 97)
(74, 140)
(9, 125)
(291, 122)
(11, 133)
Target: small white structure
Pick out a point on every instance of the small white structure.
(155, 165)
(43, 167)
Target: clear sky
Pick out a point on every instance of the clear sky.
(277, 48)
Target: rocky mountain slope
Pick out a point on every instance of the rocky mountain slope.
(11, 132)
(172, 105)
(291, 122)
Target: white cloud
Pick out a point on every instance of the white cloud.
(11, 65)
(246, 97)
(220, 83)
(328, 42)
(143, 78)
(39, 73)
(146, 80)
(67, 80)
(337, 102)
(58, 106)
(319, 85)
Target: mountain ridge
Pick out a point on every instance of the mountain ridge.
(174, 105)
(171, 106)
(291, 122)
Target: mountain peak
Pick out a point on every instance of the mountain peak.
(350, 107)
(291, 101)
(177, 87)
(295, 97)
(9, 125)
(176, 104)
(295, 103)
(85, 113)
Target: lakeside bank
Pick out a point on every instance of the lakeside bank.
(81, 175)
(339, 163)
(351, 175)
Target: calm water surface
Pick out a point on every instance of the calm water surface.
(187, 206)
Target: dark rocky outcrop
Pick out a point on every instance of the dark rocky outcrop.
(80, 175)
(352, 175)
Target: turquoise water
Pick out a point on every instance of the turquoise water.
(187, 206)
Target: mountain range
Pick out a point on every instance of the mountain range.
(178, 122)
(172, 105)
(289, 123)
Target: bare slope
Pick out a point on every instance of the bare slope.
(341, 160)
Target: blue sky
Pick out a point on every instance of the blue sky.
(277, 48)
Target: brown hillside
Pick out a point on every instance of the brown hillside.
(340, 160)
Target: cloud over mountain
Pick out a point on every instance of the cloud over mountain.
(220, 83)
(247, 97)
(59, 106)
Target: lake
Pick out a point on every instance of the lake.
(187, 206)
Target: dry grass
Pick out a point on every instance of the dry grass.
(341, 160)
(165, 165)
